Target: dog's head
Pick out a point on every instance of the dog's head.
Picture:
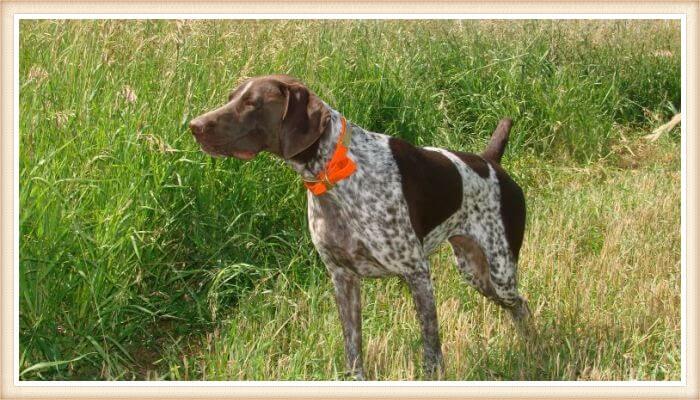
(276, 113)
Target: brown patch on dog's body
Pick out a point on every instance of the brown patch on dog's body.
(431, 185)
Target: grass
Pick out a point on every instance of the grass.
(142, 258)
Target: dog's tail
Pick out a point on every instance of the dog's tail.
(499, 140)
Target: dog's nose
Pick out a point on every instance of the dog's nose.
(197, 127)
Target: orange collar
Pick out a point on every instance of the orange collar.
(338, 168)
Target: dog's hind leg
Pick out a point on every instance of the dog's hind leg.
(491, 276)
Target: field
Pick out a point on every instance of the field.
(143, 258)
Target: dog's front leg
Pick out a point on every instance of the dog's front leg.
(347, 297)
(422, 291)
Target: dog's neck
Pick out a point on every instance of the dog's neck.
(314, 159)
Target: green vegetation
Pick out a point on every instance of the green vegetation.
(143, 258)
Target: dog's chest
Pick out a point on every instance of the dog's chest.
(363, 223)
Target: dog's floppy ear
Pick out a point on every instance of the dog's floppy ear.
(304, 120)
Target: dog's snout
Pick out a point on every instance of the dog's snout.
(197, 126)
(200, 126)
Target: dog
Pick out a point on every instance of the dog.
(377, 205)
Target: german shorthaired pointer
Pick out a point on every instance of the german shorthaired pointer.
(378, 206)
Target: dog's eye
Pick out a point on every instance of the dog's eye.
(250, 103)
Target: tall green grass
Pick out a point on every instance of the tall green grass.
(135, 246)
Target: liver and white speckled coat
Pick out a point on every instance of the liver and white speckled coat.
(401, 203)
